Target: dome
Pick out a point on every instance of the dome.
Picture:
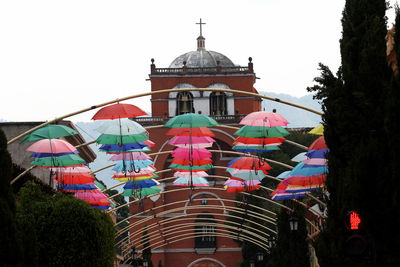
(201, 59)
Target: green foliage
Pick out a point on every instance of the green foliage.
(61, 230)
(10, 252)
(361, 117)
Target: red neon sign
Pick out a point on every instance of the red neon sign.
(354, 220)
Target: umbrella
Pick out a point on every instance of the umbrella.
(318, 144)
(258, 141)
(249, 163)
(283, 175)
(196, 181)
(234, 186)
(120, 139)
(318, 130)
(194, 174)
(319, 153)
(71, 170)
(265, 119)
(196, 162)
(140, 184)
(246, 174)
(50, 131)
(52, 146)
(79, 178)
(190, 120)
(61, 161)
(261, 132)
(299, 157)
(131, 147)
(130, 156)
(121, 127)
(141, 193)
(192, 168)
(282, 195)
(315, 162)
(187, 153)
(198, 131)
(77, 187)
(93, 199)
(134, 165)
(118, 111)
(301, 170)
(44, 155)
(187, 140)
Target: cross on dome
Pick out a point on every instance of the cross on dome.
(201, 23)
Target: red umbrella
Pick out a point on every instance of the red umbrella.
(81, 178)
(195, 162)
(264, 141)
(249, 163)
(318, 144)
(197, 131)
(118, 111)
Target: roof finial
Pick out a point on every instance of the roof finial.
(201, 23)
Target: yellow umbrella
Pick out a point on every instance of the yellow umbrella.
(318, 130)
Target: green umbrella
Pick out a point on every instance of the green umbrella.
(261, 132)
(111, 139)
(191, 120)
(50, 131)
(187, 167)
(60, 161)
(142, 192)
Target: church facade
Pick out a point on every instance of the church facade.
(177, 240)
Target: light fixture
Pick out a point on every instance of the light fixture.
(251, 263)
(293, 223)
(204, 200)
(260, 255)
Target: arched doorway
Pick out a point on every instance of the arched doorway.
(206, 262)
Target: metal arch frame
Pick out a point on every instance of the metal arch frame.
(164, 212)
(178, 228)
(182, 237)
(185, 217)
(159, 92)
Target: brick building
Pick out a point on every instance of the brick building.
(196, 69)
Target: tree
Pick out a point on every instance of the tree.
(356, 104)
(64, 231)
(10, 252)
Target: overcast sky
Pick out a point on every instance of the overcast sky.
(57, 57)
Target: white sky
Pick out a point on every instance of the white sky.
(57, 57)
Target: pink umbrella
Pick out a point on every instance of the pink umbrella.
(315, 161)
(54, 146)
(186, 140)
(265, 119)
(142, 171)
(236, 183)
(130, 156)
(195, 146)
(80, 169)
(186, 153)
(194, 174)
(87, 195)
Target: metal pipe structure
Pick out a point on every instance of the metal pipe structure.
(154, 93)
(186, 217)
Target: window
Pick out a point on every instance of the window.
(205, 241)
(184, 103)
(218, 104)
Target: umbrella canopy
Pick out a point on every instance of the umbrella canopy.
(82, 178)
(198, 131)
(130, 156)
(186, 153)
(196, 162)
(121, 127)
(52, 146)
(131, 147)
(190, 140)
(77, 187)
(264, 119)
(140, 184)
(50, 131)
(319, 153)
(141, 193)
(118, 111)
(193, 174)
(190, 120)
(301, 170)
(247, 175)
(261, 132)
(249, 163)
(299, 157)
(315, 162)
(71, 170)
(193, 168)
(111, 139)
(185, 181)
(259, 141)
(61, 161)
(44, 155)
(283, 195)
(318, 130)
(318, 144)
(131, 165)
(283, 175)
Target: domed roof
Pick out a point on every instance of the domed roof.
(201, 59)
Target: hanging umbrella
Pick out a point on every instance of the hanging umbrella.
(282, 195)
(78, 178)
(198, 131)
(71, 170)
(50, 131)
(130, 156)
(118, 111)
(134, 165)
(192, 168)
(61, 161)
(52, 146)
(318, 144)
(196, 162)
(249, 163)
(194, 174)
(258, 141)
(283, 175)
(264, 119)
(196, 181)
(318, 130)
(131, 147)
(77, 187)
(246, 174)
(140, 184)
(319, 153)
(315, 162)
(261, 132)
(121, 127)
(186, 153)
(301, 170)
(141, 193)
(44, 155)
(120, 139)
(190, 120)
(187, 140)
(299, 157)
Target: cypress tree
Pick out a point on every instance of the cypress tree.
(355, 105)
(10, 252)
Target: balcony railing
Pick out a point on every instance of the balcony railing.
(235, 69)
(225, 119)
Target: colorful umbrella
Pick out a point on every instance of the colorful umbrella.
(299, 157)
(118, 111)
(61, 161)
(199, 131)
(196, 181)
(194, 174)
(190, 120)
(130, 156)
(134, 165)
(121, 127)
(52, 146)
(261, 132)
(249, 163)
(140, 184)
(141, 193)
(120, 139)
(50, 131)
(318, 144)
(318, 130)
(188, 140)
(264, 119)
(259, 141)
(132, 147)
(187, 153)
(247, 175)
(78, 178)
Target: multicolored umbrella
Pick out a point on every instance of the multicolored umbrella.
(130, 156)
(60, 161)
(190, 120)
(194, 181)
(50, 131)
(51, 146)
(195, 132)
(121, 127)
(142, 192)
(318, 130)
(318, 144)
(264, 119)
(261, 132)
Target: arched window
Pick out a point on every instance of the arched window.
(205, 241)
(184, 103)
(218, 104)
